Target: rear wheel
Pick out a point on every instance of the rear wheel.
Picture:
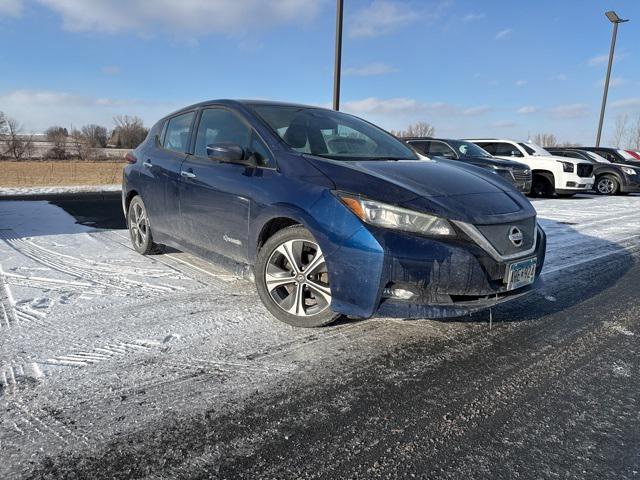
(292, 279)
(607, 185)
(542, 187)
(139, 228)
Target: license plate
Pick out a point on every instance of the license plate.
(521, 273)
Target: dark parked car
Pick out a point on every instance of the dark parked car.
(615, 155)
(515, 173)
(335, 215)
(611, 178)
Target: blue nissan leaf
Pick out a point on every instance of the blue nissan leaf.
(335, 215)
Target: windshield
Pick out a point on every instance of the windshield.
(468, 149)
(597, 157)
(330, 134)
(533, 149)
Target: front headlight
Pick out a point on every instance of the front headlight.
(566, 166)
(629, 171)
(396, 218)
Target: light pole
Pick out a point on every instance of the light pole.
(615, 19)
(338, 56)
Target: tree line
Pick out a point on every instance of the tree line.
(82, 143)
(626, 134)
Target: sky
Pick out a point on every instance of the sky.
(496, 68)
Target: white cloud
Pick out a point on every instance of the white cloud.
(626, 102)
(473, 17)
(12, 8)
(504, 33)
(396, 106)
(382, 17)
(39, 109)
(370, 69)
(527, 109)
(111, 70)
(521, 83)
(193, 17)
(473, 111)
(604, 59)
(573, 110)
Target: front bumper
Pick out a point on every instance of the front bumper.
(572, 183)
(631, 184)
(447, 278)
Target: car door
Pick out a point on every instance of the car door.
(214, 196)
(161, 166)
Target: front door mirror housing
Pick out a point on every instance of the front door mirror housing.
(229, 153)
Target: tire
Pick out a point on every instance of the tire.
(607, 185)
(292, 279)
(542, 187)
(139, 228)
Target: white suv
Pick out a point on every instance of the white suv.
(560, 175)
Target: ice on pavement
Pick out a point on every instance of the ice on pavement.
(84, 318)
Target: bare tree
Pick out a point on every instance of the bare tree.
(633, 135)
(620, 132)
(16, 143)
(420, 129)
(129, 132)
(58, 137)
(81, 145)
(545, 140)
(96, 135)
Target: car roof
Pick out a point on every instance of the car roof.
(241, 102)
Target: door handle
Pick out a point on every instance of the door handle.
(148, 164)
(188, 174)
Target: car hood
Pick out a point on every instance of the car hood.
(498, 162)
(443, 187)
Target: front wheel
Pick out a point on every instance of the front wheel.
(292, 279)
(607, 185)
(542, 187)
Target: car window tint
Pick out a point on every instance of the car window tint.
(489, 147)
(439, 149)
(178, 132)
(506, 149)
(218, 125)
(422, 147)
(573, 155)
(261, 152)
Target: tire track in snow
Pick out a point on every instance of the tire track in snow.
(85, 358)
(113, 280)
(43, 424)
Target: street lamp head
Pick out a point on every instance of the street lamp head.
(614, 18)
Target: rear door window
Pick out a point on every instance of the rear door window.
(178, 133)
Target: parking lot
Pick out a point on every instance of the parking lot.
(117, 365)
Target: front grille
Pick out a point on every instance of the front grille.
(585, 169)
(523, 179)
(498, 236)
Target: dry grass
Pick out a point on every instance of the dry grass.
(52, 173)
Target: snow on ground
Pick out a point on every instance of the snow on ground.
(57, 190)
(87, 324)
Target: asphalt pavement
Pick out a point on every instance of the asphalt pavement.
(548, 389)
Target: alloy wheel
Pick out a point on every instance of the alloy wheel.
(606, 186)
(296, 278)
(138, 225)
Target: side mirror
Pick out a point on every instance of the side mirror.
(229, 153)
